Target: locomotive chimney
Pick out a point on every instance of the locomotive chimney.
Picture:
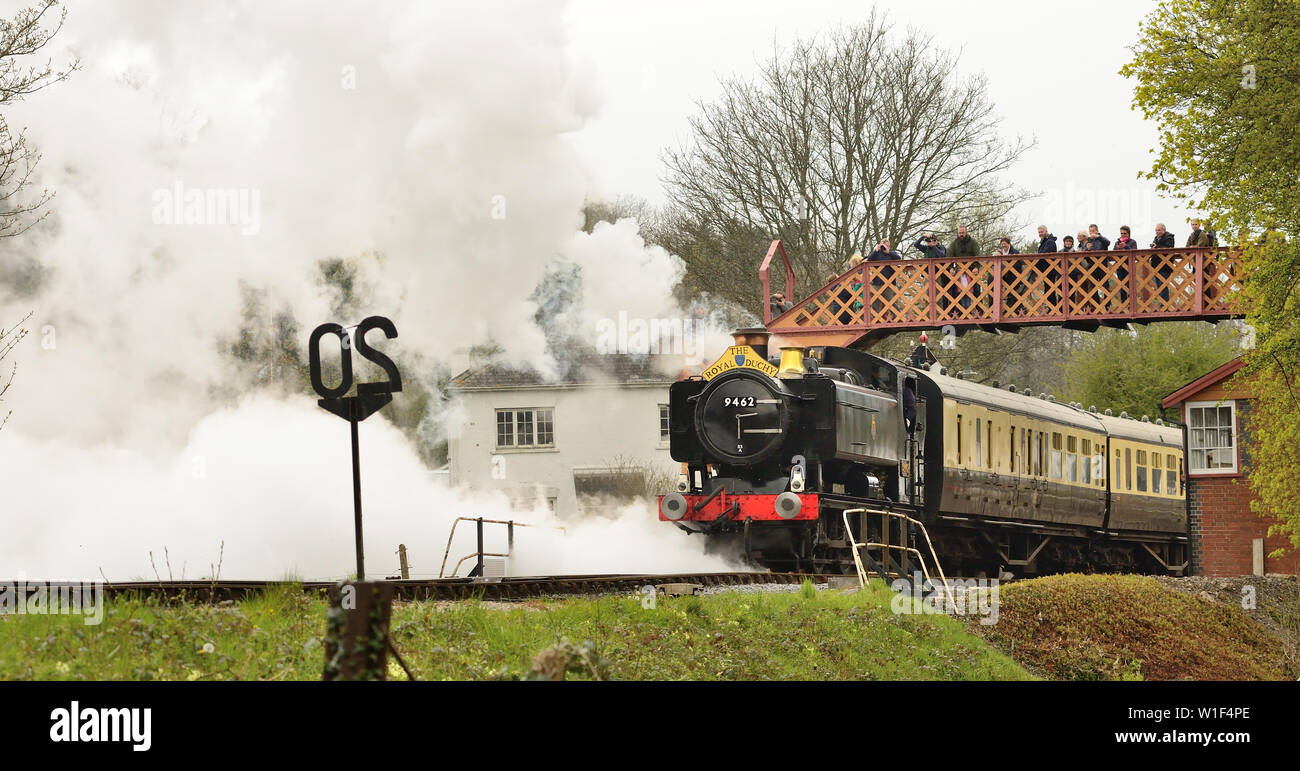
(754, 337)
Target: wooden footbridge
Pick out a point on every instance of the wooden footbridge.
(1077, 290)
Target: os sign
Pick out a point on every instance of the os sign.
(354, 409)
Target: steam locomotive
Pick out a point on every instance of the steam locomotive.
(775, 449)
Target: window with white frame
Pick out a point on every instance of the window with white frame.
(525, 427)
(1212, 437)
(663, 424)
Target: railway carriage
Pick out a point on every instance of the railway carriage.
(774, 449)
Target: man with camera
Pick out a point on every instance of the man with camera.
(929, 246)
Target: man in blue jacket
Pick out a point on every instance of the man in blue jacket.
(1046, 241)
(1096, 241)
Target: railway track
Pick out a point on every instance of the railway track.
(513, 588)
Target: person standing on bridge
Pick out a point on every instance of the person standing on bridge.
(1083, 241)
(1046, 241)
(1125, 241)
(963, 245)
(928, 245)
(1198, 237)
(1096, 241)
(1164, 239)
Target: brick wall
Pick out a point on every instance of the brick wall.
(1222, 524)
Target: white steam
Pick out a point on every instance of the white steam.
(428, 135)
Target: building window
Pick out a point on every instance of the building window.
(1212, 437)
(663, 423)
(526, 427)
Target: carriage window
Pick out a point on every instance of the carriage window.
(1142, 471)
(959, 439)
(979, 448)
(1042, 452)
(1155, 479)
(1013, 449)
(989, 434)
(1085, 462)
(1128, 469)
(1026, 463)
(1056, 456)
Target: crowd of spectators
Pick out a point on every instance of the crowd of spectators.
(964, 245)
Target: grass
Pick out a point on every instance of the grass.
(1120, 627)
(805, 635)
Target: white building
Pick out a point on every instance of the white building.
(603, 423)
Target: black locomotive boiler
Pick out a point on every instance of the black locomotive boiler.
(775, 448)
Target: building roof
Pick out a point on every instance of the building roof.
(582, 368)
(1217, 375)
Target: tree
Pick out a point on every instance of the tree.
(23, 36)
(1032, 358)
(1132, 371)
(840, 141)
(1222, 81)
(9, 339)
(20, 37)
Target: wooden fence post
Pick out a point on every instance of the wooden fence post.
(356, 631)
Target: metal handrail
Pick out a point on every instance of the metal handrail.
(480, 554)
(857, 560)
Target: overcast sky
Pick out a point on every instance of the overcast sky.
(1052, 70)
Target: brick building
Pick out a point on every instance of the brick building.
(1226, 537)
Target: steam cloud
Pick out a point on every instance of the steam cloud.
(430, 137)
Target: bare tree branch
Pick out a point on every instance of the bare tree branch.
(838, 142)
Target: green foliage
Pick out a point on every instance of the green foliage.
(1222, 81)
(1106, 627)
(1032, 358)
(728, 636)
(1133, 371)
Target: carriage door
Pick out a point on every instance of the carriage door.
(914, 449)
